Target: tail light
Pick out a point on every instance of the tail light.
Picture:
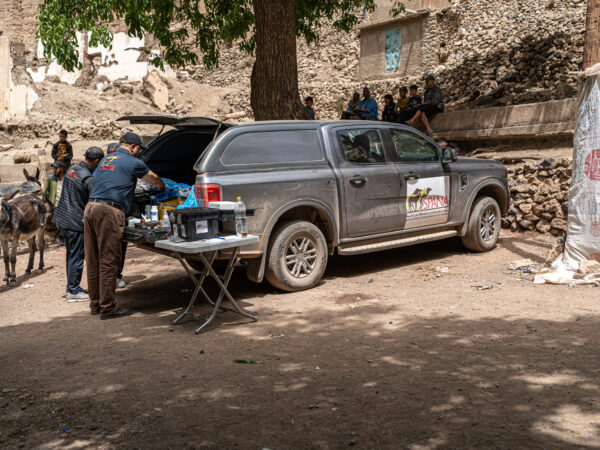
(208, 193)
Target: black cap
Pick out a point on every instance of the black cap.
(94, 153)
(58, 164)
(132, 139)
(429, 77)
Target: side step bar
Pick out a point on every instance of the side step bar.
(402, 242)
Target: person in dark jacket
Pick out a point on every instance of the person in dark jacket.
(63, 150)
(390, 109)
(433, 104)
(309, 112)
(77, 187)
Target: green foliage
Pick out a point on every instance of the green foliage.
(182, 27)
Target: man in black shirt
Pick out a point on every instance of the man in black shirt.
(433, 104)
(63, 150)
(77, 187)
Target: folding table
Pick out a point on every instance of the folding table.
(206, 251)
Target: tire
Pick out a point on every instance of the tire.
(302, 272)
(484, 225)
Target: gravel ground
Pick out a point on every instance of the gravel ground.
(388, 352)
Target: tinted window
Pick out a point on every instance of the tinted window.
(412, 148)
(273, 147)
(362, 146)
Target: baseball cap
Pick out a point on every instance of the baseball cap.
(58, 164)
(429, 77)
(132, 139)
(94, 153)
(111, 148)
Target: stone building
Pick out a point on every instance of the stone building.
(397, 46)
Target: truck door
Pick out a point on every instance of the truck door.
(425, 186)
(370, 188)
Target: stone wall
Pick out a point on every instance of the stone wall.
(539, 196)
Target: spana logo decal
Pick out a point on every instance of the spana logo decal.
(422, 200)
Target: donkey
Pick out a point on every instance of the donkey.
(21, 219)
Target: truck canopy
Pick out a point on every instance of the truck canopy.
(172, 154)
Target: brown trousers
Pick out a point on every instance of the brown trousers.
(103, 228)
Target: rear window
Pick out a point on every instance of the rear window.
(292, 146)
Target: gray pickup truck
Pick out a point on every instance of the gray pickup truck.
(318, 187)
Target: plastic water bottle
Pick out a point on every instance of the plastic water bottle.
(241, 228)
(166, 223)
(154, 213)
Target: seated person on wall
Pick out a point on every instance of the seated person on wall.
(368, 108)
(402, 104)
(414, 101)
(353, 105)
(309, 112)
(433, 104)
(390, 109)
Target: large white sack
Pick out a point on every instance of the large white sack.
(583, 224)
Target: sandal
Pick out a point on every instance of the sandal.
(429, 133)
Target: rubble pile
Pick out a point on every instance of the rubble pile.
(491, 53)
(497, 53)
(539, 196)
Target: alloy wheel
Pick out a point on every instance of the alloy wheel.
(487, 224)
(300, 257)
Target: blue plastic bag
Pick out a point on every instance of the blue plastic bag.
(190, 202)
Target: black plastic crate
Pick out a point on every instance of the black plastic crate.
(193, 224)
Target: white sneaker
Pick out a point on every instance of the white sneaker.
(120, 283)
(79, 297)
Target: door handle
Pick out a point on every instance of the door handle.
(411, 176)
(357, 180)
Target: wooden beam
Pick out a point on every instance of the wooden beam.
(591, 51)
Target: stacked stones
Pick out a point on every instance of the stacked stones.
(495, 53)
(539, 196)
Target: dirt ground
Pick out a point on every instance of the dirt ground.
(387, 352)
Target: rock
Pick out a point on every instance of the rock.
(526, 224)
(526, 207)
(548, 164)
(22, 158)
(126, 89)
(5, 147)
(543, 226)
(155, 89)
(235, 115)
(559, 224)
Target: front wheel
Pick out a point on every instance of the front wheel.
(484, 225)
(297, 256)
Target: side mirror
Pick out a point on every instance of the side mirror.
(448, 155)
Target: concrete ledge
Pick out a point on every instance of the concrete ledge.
(535, 120)
(13, 173)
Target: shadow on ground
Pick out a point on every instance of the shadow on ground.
(324, 380)
(369, 377)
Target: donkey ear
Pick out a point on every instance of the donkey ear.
(26, 174)
(37, 173)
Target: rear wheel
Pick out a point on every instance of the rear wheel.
(484, 225)
(297, 256)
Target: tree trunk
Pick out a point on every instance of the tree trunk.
(591, 52)
(274, 81)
